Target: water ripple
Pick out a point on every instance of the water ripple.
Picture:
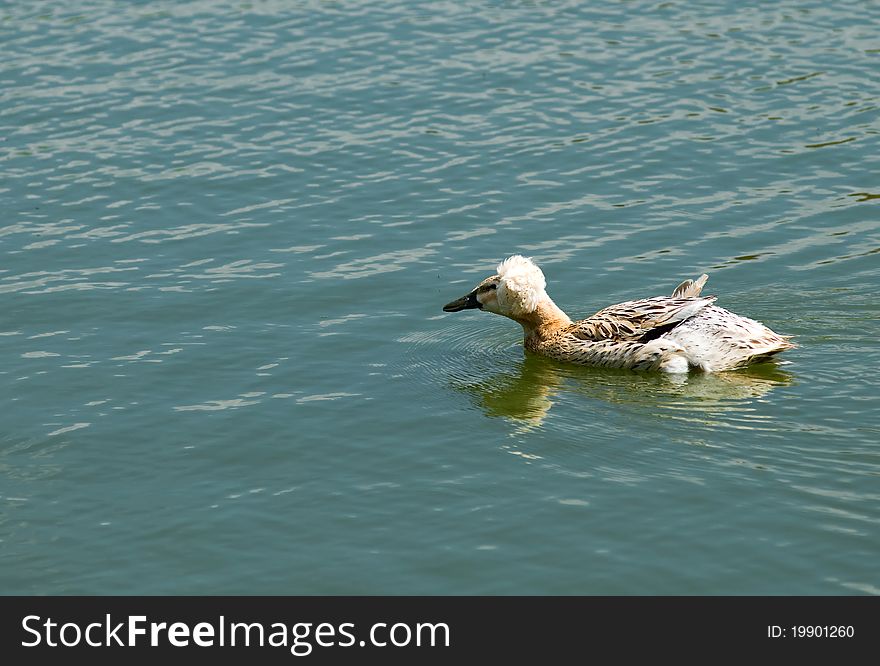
(215, 244)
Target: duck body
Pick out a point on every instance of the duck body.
(669, 333)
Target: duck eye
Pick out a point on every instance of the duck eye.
(492, 286)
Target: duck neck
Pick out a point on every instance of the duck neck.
(543, 322)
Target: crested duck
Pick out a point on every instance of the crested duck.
(669, 333)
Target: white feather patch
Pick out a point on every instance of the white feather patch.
(522, 285)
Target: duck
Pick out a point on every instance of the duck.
(675, 334)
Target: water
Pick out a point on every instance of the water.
(228, 230)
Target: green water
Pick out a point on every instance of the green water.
(228, 230)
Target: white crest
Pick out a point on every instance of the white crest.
(522, 285)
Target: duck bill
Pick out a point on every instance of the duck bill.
(467, 302)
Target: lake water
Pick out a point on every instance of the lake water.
(228, 229)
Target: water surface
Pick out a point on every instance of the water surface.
(228, 229)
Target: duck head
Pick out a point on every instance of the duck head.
(516, 290)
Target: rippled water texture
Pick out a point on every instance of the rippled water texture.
(228, 229)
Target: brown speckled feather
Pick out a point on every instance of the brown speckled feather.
(633, 320)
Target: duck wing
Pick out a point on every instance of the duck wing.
(638, 321)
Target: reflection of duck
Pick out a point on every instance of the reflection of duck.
(672, 333)
(524, 396)
(528, 395)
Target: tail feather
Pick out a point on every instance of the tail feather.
(764, 356)
(690, 288)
